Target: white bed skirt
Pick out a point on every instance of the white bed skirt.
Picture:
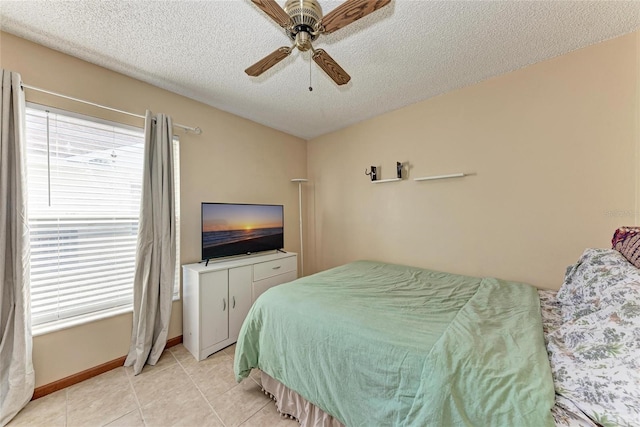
(290, 403)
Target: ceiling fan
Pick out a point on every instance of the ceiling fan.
(303, 22)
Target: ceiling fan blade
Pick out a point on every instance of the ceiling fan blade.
(275, 12)
(268, 61)
(331, 67)
(350, 11)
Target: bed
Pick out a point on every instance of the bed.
(395, 345)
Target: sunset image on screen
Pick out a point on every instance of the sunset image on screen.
(221, 217)
(236, 229)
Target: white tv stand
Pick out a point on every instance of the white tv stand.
(217, 297)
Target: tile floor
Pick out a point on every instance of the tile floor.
(178, 391)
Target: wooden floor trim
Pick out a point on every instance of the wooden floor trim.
(89, 373)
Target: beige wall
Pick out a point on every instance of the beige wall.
(234, 160)
(553, 148)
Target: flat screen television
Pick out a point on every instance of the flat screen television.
(234, 229)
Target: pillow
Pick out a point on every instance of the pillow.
(626, 240)
(595, 271)
(594, 359)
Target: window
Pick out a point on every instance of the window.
(84, 184)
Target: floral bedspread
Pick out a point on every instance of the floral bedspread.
(565, 413)
(593, 340)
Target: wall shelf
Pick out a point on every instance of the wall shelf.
(429, 178)
(386, 180)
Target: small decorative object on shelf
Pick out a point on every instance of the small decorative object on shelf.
(373, 174)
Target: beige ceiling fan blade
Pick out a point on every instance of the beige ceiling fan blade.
(348, 12)
(268, 61)
(331, 67)
(275, 12)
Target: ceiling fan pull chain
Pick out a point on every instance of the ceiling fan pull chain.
(310, 88)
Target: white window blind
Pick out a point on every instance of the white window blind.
(84, 186)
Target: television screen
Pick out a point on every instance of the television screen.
(235, 229)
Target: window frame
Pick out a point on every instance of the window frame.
(68, 322)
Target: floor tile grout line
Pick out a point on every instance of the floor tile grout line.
(160, 370)
(265, 405)
(256, 381)
(135, 396)
(201, 393)
(254, 414)
(122, 416)
(154, 372)
(262, 407)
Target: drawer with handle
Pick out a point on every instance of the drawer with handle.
(260, 286)
(267, 269)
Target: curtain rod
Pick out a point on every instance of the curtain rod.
(195, 130)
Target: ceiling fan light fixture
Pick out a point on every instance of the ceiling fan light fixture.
(303, 41)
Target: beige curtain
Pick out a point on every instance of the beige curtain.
(156, 251)
(16, 367)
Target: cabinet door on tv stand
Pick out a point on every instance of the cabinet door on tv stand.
(214, 308)
(239, 298)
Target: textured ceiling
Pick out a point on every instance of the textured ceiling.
(399, 55)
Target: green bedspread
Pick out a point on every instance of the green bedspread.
(386, 345)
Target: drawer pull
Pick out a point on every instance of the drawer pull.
(224, 304)
(275, 268)
(234, 302)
